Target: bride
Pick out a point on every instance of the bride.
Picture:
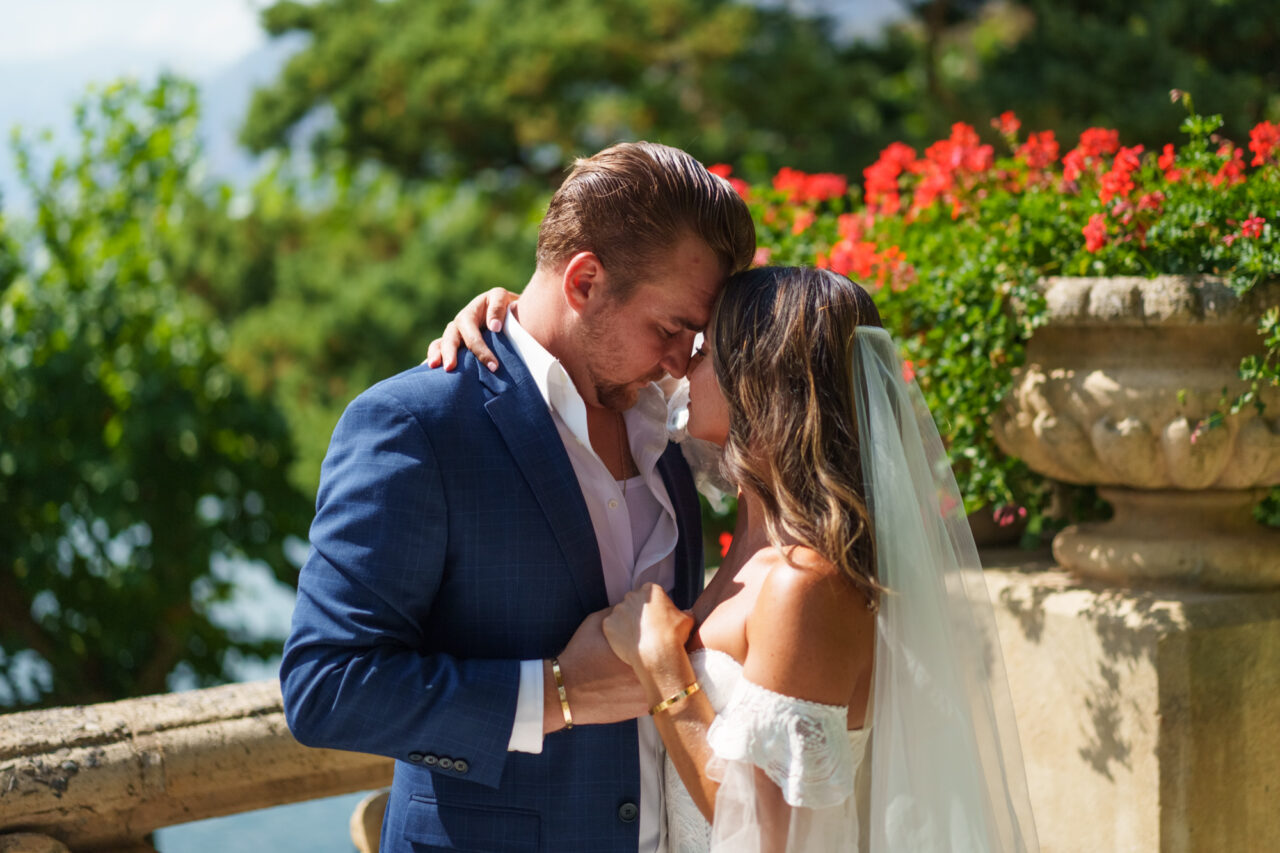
(838, 684)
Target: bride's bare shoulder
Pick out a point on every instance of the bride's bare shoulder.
(799, 576)
(806, 628)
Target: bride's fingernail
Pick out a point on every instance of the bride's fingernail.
(495, 325)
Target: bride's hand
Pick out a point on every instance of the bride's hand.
(647, 627)
(464, 330)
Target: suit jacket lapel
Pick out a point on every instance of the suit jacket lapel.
(524, 421)
(684, 500)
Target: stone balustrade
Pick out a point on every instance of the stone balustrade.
(102, 777)
(1149, 721)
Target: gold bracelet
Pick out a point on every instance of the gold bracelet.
(564, 697)
(674, 698)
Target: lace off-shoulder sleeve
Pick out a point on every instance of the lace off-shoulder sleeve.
(802, 746)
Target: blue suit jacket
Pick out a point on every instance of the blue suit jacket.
(451, 540)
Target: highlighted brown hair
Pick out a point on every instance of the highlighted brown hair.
(783, 341)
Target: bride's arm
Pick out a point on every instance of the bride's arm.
(649, 632)
(464, 330)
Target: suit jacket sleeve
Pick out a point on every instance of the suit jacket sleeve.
(357, 672)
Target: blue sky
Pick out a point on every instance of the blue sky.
(195, 35)
(51, 50)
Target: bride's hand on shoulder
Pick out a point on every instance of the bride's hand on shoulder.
(464, 330)
(647, 627)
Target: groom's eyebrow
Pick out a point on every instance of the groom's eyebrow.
(691, 325)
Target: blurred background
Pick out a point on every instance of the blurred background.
(221, 220)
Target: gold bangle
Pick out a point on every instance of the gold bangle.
(674, 698)
(564, 697)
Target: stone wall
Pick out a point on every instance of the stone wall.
(1149, 718)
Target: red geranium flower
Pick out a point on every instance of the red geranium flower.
(1263, 139)
(854, 259)
(1039, 150)
(825, 185)
(882, 177)
(1095, 233)
(1115, 183)
(1072, 164)
(1128, 158)
(851, 226)
(1097, 141)
(1007, 124)
(1252, 227)
(1151, 201)
(799, 187)
(1232, 171)
(1166, 160)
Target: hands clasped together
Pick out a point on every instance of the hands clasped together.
(644, 629)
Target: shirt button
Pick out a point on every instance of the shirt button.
(613, 504)
(628, 812)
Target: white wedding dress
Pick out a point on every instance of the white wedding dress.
(802, 747)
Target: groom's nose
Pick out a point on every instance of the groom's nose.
(675, 360)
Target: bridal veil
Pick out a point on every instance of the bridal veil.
(944, 766)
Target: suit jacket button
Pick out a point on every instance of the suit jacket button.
(461, 765)
(416, 757)
(628, 812)
(430, 760)
(446, 763)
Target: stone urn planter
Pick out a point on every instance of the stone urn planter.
(1115, 386)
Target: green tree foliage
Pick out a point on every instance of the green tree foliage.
(345, 291)
(1068, 66)
(444, 89)
(131, 458)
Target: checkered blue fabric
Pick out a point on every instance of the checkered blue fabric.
(451, 541)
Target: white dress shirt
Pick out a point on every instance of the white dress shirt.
(635, 528)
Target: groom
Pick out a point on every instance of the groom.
(470, 527)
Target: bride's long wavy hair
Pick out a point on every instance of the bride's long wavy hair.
(782, 348)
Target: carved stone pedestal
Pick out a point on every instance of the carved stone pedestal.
(1119, 390)
(1206, 538)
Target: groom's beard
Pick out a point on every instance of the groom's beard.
(620, 397)
(600, 351)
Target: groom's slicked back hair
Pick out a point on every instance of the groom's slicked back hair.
(632, 203)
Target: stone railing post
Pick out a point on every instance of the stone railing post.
(102, 777)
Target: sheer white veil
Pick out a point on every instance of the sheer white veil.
(946, 765)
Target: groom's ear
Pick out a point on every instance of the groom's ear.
(583, 281)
